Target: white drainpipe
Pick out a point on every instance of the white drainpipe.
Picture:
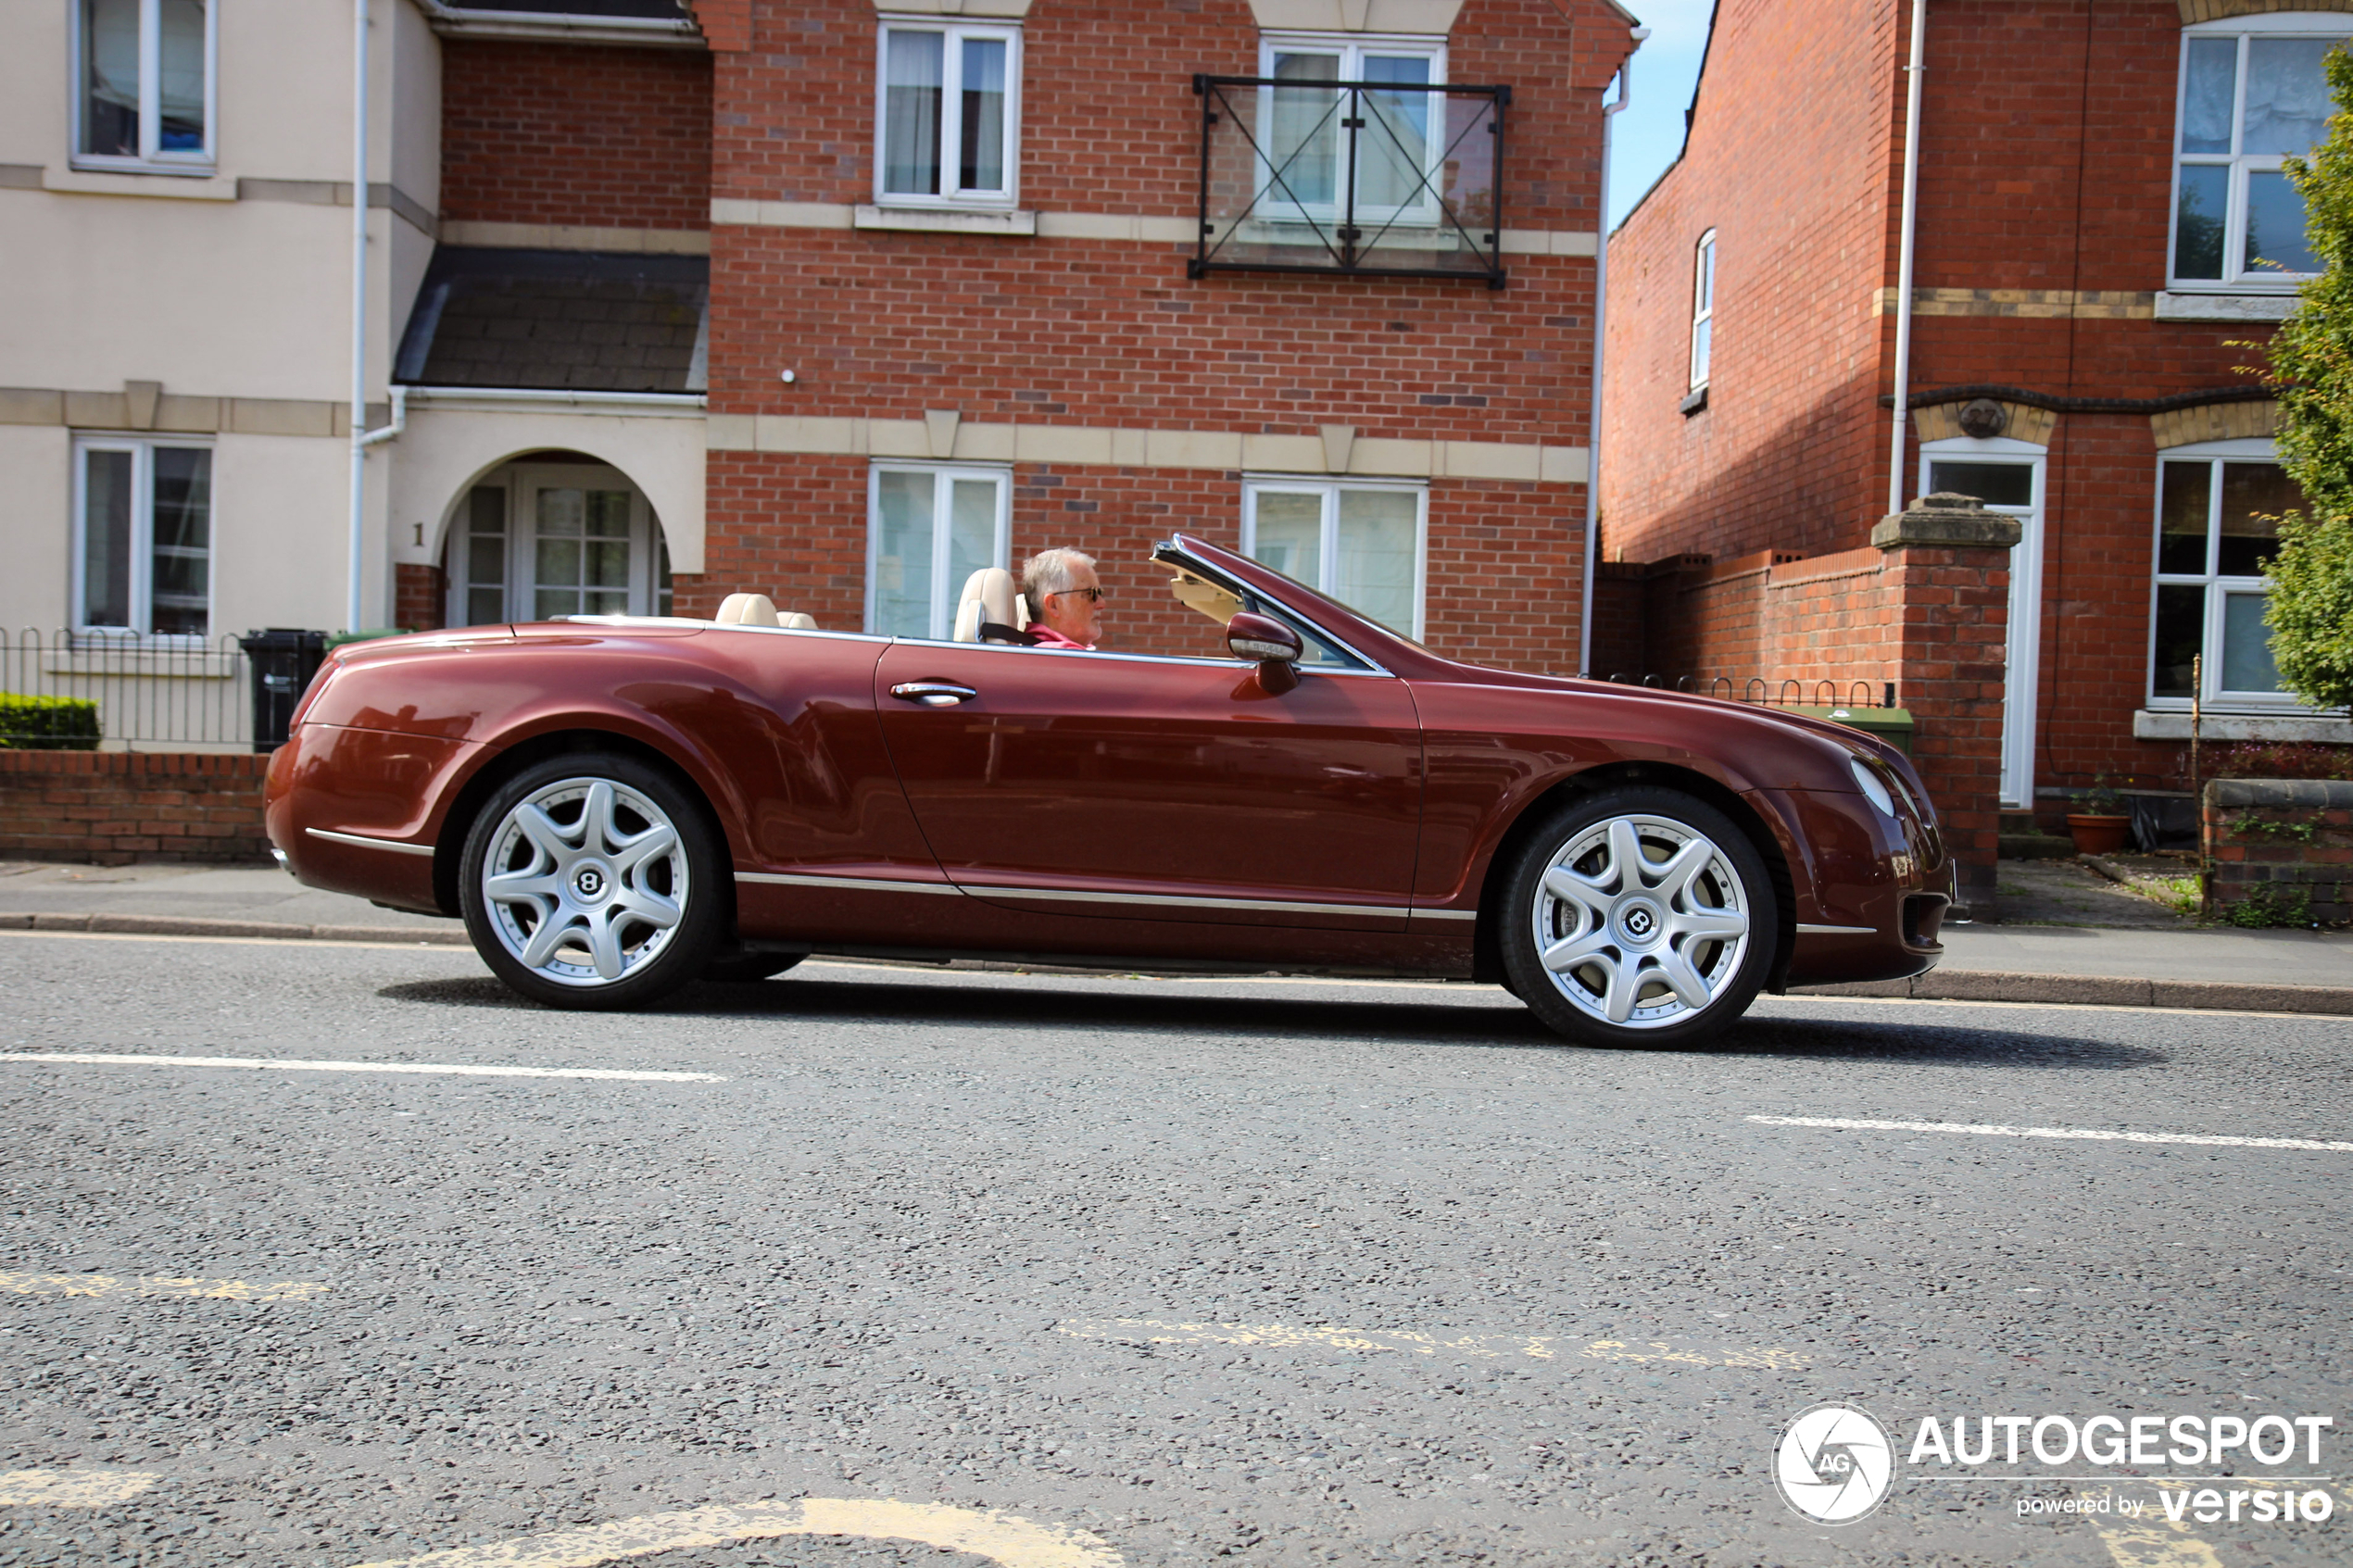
(1904, 254)
(352, 620)
(1601, 322)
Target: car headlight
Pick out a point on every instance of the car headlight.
(1874, 789)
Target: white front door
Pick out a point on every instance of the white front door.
(2008, 476)
(536, 540)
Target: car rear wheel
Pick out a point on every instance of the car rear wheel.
(1639, 916)
(593, 881)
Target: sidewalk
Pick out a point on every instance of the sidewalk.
(2070, 936)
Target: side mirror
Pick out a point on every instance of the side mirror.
(1274, 646)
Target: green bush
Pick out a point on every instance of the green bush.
(2265, 905)
(48, 723)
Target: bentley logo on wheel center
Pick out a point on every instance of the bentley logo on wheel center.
(1835, 1463)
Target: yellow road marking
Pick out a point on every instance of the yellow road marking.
(72, 1488)
(1001, 1537)
(1535, 1347)
(157, 1285)
(2154, 1541)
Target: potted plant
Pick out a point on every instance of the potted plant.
(2098, 824)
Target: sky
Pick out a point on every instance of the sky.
(1647, 136)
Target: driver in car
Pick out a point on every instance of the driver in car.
(1064, 599)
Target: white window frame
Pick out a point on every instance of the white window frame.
(1327, 552)
(1702, 307)
(2022, 649)
(2213, 698)
(944, 593)
(151, 159)
(1352, 48)
(951, 128)
(143, 449)
(2238, 278)
(648, 546)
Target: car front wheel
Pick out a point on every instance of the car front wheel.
(1638, 916)
(593, 881)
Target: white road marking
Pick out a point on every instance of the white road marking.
(241, 941)
(72, 1488)
(1536, 1347)
(2097, 1135)
(285, 1064)
(1002, 1538)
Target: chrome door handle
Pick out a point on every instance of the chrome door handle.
(933, 694)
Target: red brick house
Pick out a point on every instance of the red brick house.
(2100, 220)
(949, 282)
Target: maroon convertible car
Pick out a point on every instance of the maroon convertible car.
(617, 804)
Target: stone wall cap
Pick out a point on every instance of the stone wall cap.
(1949, 519)
(2326, 794)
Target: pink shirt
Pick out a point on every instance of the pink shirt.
(1047, 637)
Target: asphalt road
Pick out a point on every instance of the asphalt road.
(1074, 1272)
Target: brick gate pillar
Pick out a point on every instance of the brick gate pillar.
(1949, 573)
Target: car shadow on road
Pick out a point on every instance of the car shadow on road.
(1473, 1020)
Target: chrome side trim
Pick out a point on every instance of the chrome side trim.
(1837, 931)
(1371, 669)
(858, 883)
(1446, 914)
(366, 843)
(1273, 906)
(1073, 896)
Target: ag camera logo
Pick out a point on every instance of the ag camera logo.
(1835, 1463)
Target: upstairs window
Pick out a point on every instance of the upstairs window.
(1389, 168)
(2250, 99)
(142, 91)
(1703, 307)
(946, 131)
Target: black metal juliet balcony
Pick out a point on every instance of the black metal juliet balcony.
(1379, 179)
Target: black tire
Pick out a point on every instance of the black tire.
(1667, 962)
(741, 968)
(594, 880)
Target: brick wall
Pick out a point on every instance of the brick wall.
(608, 137)
(1113, 333)
(1932, 620)
(1787, 161)
(420, 595)
(1525, 538)
(2278, 846)
(112, 807)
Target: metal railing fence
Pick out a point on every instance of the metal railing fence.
(141, 691)
(1826, 692)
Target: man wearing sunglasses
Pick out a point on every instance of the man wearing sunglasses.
(1064, 599)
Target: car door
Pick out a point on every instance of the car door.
(1135, 787)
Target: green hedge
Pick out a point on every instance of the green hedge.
(48, 723)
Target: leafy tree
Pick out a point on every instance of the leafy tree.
(2310, 613)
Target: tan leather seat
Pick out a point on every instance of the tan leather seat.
(989, 599)
(747, 610)
(759, 609)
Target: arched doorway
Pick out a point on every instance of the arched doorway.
(554, 534)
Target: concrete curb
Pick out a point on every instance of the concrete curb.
(1942, 985)
(283, 930)
(2099, 990)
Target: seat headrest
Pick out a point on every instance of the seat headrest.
(747, 610)
(989, 598)
(796, 621)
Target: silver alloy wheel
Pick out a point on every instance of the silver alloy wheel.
(1640, 922)
(586, 880)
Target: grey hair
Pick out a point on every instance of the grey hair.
(1051, 571)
